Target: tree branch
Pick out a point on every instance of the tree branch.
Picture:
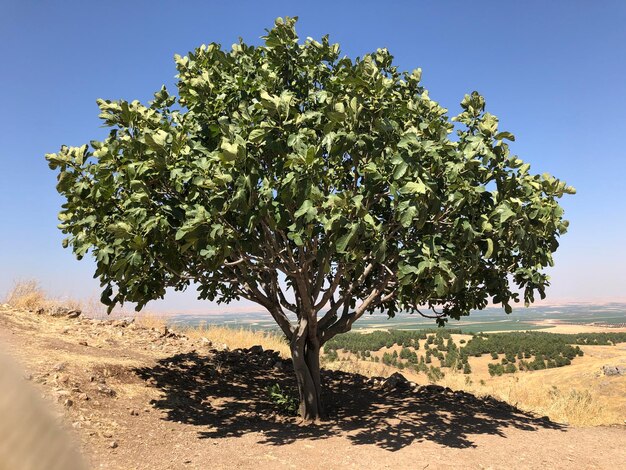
(344, 323)
(330, 291)
(332, 312)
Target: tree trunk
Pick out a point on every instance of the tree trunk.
(305, 355)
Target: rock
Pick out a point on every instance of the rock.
(68, 403)
(614, 370)
(83, 396)
(396, 381)
(206, 341)
(65, 331)
(28, 376)
(82, 343)
(256, 349)
(432, 389)
(59, 366)
(106, 390)
(113, 445)
(74, 314)
(134, 413)
(59, 311)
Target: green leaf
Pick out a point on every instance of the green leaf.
(345, 240)
(257, 135)
(157, 139)
(400, 170)
(414, 188)
(229, 151)
(505, 135)
(406, 217)
(505, 212)
(304, 208)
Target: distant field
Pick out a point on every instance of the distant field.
(488, 320)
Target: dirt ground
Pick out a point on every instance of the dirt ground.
(137, 398)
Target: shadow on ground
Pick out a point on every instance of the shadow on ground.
(225, 395)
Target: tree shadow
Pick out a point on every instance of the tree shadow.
(225, 395)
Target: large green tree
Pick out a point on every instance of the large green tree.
(315, 185)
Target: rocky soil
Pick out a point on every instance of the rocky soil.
(150, 398)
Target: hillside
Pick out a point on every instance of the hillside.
(142, 397)
(558, 375)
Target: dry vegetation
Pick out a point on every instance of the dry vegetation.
(27, 295)
(578, 407)
(576, 394)
(238, 338)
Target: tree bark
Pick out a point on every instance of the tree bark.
(305, 355)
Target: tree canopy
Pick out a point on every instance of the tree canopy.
(310, 183)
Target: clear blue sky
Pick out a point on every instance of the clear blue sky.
(554, 72)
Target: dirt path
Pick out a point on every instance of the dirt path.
(142, 399)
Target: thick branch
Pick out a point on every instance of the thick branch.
(277, 314)
(332, 312)
(344, 323)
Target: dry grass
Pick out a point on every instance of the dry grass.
(150, 320)
(29, 295)
(578, 407)
(366, 368)
(26, 295)
(239, 338)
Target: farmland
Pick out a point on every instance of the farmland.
(491, 319)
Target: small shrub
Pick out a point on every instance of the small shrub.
(285, 400)
(26, 295)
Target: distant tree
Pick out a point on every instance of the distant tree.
(311, 183)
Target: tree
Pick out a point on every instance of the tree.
(320, 187)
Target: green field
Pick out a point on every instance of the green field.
(488, 320)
